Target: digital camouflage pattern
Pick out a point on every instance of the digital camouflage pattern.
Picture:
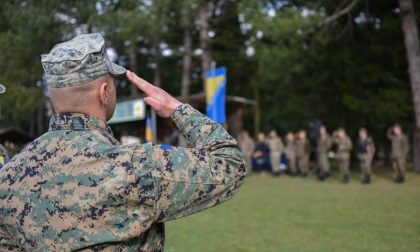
(78, 61)
(76, 188)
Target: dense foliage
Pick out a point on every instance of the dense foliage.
(298, 62)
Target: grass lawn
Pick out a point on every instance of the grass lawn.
(297, 214)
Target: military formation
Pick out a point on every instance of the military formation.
(293, 157)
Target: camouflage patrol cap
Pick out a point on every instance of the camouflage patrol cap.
(78, 61)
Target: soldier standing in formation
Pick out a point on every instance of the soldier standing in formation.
(365, 150)
(247, 145)
(323, 146)
(344, 146)
(303, 151)
(399, 151)
(77, 188)
(261, 156)
(290, 151)
(276, 149)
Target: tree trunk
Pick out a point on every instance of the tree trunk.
(411, 38)
(40, 120)
(186, 63)
(132, 61)
(204, 41)
(157, 74)
(257, 124)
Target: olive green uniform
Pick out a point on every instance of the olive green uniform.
(247, 146)
(344, 147)
(303, 151)
(276, 149)
(323, 146)
(365, 155)
(399, 151)
(290, 151)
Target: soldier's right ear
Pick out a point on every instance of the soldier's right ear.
(104, 92)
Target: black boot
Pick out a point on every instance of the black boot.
(399, 179)
(366, 179)
(322, 176)
(345, 179)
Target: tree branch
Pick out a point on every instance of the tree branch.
(338, 14)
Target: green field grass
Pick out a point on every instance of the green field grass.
(297, 214)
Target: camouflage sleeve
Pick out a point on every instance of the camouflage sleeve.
(188, 180)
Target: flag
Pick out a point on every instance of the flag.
(216, 94)
(149, 130)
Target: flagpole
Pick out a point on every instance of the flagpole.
(154, 128)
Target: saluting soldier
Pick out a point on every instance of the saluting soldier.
(276, 149)
(344, 147)
(290, 151)
(76, 188)
(365, 149)
(303, 151)
(399, 151)
(323, 146)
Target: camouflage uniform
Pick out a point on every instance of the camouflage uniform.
(276, 149)
(344, 146)
(303, 150)
(77, 188)
(323, 146)
(399, 151)
(4, 158)
(290, 151)
(365, 152)
(247, 146)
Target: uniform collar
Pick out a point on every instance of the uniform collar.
(77, 121)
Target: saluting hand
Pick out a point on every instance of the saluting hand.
(157, 98)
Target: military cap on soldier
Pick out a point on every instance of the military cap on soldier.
(78, 61)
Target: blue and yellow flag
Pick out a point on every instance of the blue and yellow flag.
(149, 130)
(216, 94)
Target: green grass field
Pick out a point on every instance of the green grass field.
(297, 214)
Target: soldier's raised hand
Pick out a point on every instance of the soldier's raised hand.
(157, 98)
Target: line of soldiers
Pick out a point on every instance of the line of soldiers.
(271, 155)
